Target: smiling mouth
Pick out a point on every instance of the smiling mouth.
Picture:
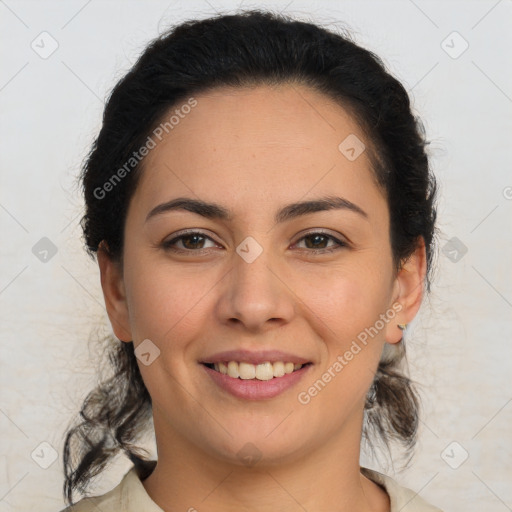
(248, 371)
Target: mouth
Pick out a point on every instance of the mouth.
(258, 372)
(259, 381)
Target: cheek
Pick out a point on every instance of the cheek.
(165, 301)
(344, 314)
(347, 300)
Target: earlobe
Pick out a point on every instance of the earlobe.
(112, 284)
(410, 283)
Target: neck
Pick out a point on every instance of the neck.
(326, 478)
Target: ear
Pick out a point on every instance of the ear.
(112, 284)
(408, 291)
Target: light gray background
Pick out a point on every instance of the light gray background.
(460, 344)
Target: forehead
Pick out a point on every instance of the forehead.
(285, 115)
(256, 145)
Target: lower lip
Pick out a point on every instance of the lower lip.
(253, 389)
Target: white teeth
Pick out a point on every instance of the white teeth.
(264, 371)
(233, 369)
(278, 369)
(248, 371)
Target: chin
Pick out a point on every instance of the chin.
(257, 450)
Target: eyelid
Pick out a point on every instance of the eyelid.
(322, 231)
(176, 236)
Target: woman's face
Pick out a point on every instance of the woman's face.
(267, 278)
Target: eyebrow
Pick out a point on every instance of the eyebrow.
(290, 211)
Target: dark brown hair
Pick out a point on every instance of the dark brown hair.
(249, 48)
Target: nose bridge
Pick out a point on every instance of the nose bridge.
(251, 267)
(255, 293)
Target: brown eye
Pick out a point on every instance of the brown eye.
(190, 242)
(318, 240)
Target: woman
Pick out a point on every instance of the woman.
(261, 206)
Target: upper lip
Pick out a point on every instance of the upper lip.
(255, 357)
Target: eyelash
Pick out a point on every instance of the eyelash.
(168, 245)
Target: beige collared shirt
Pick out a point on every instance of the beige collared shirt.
(130, 496)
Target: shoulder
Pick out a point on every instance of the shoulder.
(108, 502)
(401, 498)
(128, 496)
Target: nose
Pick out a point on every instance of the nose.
(255, 296)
